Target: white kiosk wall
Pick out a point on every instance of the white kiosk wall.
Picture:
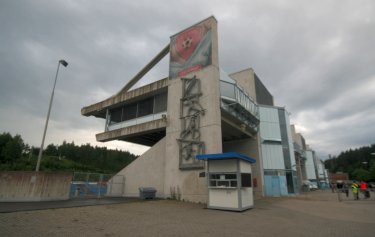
(229, 181)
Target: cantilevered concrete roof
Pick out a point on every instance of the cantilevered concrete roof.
(146, 134)
(99, 109)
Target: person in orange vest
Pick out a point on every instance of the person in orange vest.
(355, 187)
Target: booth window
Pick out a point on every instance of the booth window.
(245, 180)
(223, 180)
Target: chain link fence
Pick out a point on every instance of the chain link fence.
(95, 185)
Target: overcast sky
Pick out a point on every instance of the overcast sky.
(317, 58)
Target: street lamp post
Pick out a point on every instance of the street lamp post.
(65, 64)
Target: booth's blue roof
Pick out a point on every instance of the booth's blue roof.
(225, 156)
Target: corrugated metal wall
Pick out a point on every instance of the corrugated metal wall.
(310, 167)
(270, 124)
(272, 152)
(320, 169)
(272, 155)
(269, 114)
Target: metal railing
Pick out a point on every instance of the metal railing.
(136, 121)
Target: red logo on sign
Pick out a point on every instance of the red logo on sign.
(187, 41)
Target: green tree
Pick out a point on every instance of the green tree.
(353, 161)
(69, 150)
(85, 158)
(4, 139)
(12, 149)
(51, 150)
(372, 170)
(361, 174)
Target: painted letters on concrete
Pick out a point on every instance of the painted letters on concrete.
(191, 110)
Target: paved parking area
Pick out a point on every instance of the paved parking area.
(6, 207)
(318, 213)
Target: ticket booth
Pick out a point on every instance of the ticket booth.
(229, 181)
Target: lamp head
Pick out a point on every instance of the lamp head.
(63, 62)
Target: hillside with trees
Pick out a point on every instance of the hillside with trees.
(15, 154)
(358, 163)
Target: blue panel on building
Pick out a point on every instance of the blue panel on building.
(283, 186)
(268, 186)
(272, 185)
(275, 186)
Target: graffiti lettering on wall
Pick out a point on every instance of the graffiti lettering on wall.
(189, 142)
(191, 49)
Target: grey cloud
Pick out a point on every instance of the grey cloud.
(310, 55)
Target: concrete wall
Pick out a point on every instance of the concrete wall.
(146, 171)
(22, 186)
(250, 147)
(245, 79)
(192, 187)
(159, 167)
(188, 182)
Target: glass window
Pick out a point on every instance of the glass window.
(160, 103)
(223, 183)
(213, 183)
(214, 176)
(230, 176)
(227, 89)
(270, 172)
(245, 180)
(233, 183)
(145, 107)
(129, 112)
(223, 180)
(116, 115)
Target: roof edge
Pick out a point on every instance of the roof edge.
(122, 97)
(225, 156)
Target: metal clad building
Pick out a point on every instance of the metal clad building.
(310, 166)
(280, 177)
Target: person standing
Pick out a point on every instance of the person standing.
(363, 187)
(346, 189)
(332, 187)
(355, 187)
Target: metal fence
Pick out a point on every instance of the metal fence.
(95, 185)
(116, 186)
